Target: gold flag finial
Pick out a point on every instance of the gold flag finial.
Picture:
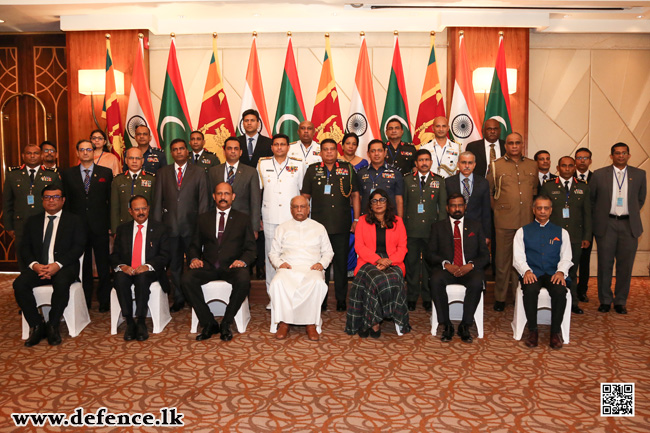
(172, 35)
(108, 35)
(140, 36)
(501, 34)
(362, 33)
(461, 33)
(214, 35)
(254, 34)
(327, 35)
(395, 32)
(433, 33)
(289, 34)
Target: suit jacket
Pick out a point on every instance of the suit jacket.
(478, 207)
(95, 207)
(157, 249)
(262, 148)
(248, 198)
(238, 241)
(365, 243)
(601, 198)
(69, 243)
(578, 225)
(441, 244)
(178, 207)
(478, 149)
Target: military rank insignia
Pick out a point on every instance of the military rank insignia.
(292, 168)
(342, 171)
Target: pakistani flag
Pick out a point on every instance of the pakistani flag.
(291, 109)
(396, 106)
(498, 106)
(174, 118)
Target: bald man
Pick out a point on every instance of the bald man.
(305, 149)
(444, 152)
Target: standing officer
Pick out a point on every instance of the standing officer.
(380, 175)
(49, 155)
(444, 152)
(572, 212)
(134, 181)
(400, 155)
(583, 174)
(200, 156)
(153, 158)
(425, 197)
(543, 160)
(305, 149)
(332, 187)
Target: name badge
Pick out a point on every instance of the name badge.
(328, 189)
(30, 199)
(619, 202)
(420, 207)
(565, 212)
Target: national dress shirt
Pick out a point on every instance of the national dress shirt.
(519, 253)
(301, 243)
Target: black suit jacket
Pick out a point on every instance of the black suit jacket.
(238, 241)
(262, 148)
(157, 248)
(478, 208)
(478, 149)
(93, 208)
(441, 244)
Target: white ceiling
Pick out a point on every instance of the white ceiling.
(240, 16)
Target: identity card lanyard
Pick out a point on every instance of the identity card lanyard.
(435, 150)
(619, 199)
(565, 210)
(30, 196)
(374, 180)
(286, 161)
(328, 186)
(305, 152)
(421, 203)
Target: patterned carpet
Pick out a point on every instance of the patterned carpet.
(395, 384)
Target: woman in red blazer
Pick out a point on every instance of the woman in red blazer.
(378, 290)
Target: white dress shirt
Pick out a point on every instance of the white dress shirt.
(225, 172)
(452, 221)
(617, 177)
(50, 251)
(497, 150)
(519, 253)
(582, 176)
(541, 177)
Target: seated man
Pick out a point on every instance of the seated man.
(542, 256)
(222, 247)
(300, 251)
(51, 247)
(140, 256)
(457, 255)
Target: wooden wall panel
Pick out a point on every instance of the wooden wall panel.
(482, 44)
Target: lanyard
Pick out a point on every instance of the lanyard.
(435, 150)
(471, 185)
(328, 170)
(286, 161)
(419, 181)
(182, 174)
(100, 157)
(393, 151)
(305, 152)
(620, 184)
(374, 179)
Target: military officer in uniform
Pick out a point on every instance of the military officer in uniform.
(425, 198)
(583, 174)
(199, 155)
(153, 158)
(380, 175)
(49, 155)
(280, 180)
(305, 149)
(400, 155)
(572, 212)
(22, 194)
(134, 181)
(444, 152)
(332, 187)
(543, 160)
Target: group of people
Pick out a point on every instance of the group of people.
(418, 220)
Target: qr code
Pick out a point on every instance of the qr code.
(616, 399)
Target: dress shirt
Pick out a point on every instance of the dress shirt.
(225, 219)
(519, 253)
(196, 156)
(144, 246)
(582, 176)
(83, 172)
(225, 172)
(35, 170)
(619, 174)
(50, 252)
(254, 137)
(562, 180)
(137, 173)
(461, 178)
(183, 169)
(452, 221)
(497, 150)
(541, 177)
(301, 243)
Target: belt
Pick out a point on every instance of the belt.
(619, 217)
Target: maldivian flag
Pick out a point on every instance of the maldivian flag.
(397, 106)
(111, 108)
(326, 116)
(431, 103)
(214, 121)
(463, 115)
(498, 106)
(362, 118)
(253, 97)
(291, 109)
(140, 110)
(174, 118)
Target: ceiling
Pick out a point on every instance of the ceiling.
(239, 16)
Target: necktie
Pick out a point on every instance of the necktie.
(250, 148)
(87, 180)
(196, 158)
(544, 178)
(458, 245)
(566, 186)
(45, 256)
(136, 258)
(31, 175)
(466, 189)
(493, 153)
(135, 176)
(422, 181)
(179, 178)
(231, 174)
(582, 177)
(222, 224)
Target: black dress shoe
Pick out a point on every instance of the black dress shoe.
(208, 331)
(499, 305)
(363, 333)
(375, 334)
(447, 334)
(104, 308)
(556, 340)
(130, 332)
(463, 331)
(427, 306)
(141, 332)
(604, 308)
(583, 298)
(177, 306)
(411, 305)
(226, 333)
(340, 306)
(53, 335)
(36, 334)
(620, 309)
(532, 339)
(577, 310)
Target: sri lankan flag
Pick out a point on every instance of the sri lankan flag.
(111, 108)
(431, 103)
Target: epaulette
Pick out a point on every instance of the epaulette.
(437, 175)
(52, 169)
(265, 158)
(295, 159)
(150, 174)
(208, 152)
(575, 179)
(14, 168)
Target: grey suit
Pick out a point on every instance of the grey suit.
(617, 238)
(246, 187)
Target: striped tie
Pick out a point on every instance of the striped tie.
(231, 174)
(87, 181)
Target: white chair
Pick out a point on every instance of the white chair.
(216, 295)
(543, 313)
(456, 296)
(75, 315)
(158, 308)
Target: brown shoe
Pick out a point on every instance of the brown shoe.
(532, 339)
(312, 334)
(556, 340)
(283, 330)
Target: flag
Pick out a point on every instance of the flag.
(498, 106)
(291, 109)
(326, 116)
(431, 103)
(253, 96)
(174, 118)
(214, 121)
(463, 115)
(397, 106)
(362, 119)
(140, 111)
(111, 108)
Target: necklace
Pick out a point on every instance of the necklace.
(349, 160)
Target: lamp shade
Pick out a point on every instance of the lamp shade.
(93, 81)
(482, 79)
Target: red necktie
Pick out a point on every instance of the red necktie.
(458, 245)
(222, 225)
(179, 179)
(136, 258)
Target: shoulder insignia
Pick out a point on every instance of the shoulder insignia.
(265, 158)
(295, 159)
(144, 173)
(14, 168)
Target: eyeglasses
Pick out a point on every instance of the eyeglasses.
(86, 149)
(48, 151)
(51, 197)
(378, 200)
(582, 158)
(97, 137)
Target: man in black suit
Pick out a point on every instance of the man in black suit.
(253, 145)
(583, 162)
(88, 188)
(488, 149)
(180, 195)
(223, 246)
(457, 255)
(543, 160)
(140, 255)
(51, 247)
(475, 190)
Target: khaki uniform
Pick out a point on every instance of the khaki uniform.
(122, 189)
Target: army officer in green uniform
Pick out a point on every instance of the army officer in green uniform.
(199, 155)
(134, 181)
(425, 198)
